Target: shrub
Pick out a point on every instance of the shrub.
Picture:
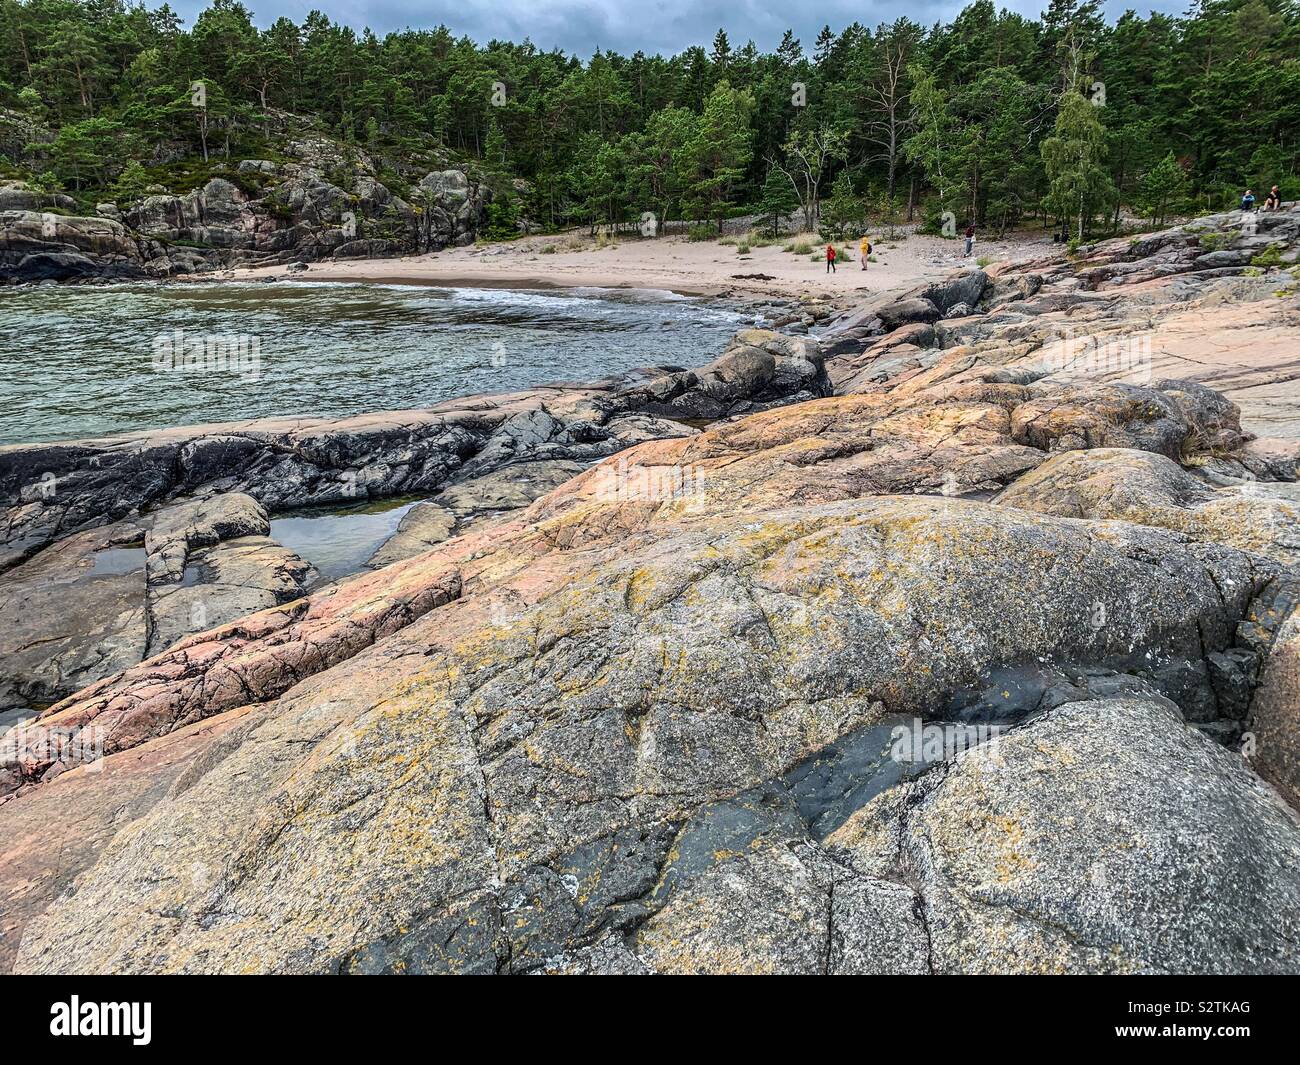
(742, 249)
(502, 220)
(1270, 256)
(701, 231)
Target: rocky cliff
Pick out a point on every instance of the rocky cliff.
(260, 212)
(983, 663)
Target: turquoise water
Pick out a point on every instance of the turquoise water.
(89, 361)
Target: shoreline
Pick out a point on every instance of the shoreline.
(696, 269)
(520, 282)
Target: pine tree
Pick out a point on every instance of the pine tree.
(843, 211)
(789, 51)
(719, 152)
(131, 184)
(721, 51)
(1163, 186)
(822, 48)
(777, 199)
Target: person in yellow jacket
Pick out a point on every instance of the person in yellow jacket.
(865, 250)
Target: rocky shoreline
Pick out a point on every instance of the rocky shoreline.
(624, 693)
(323, 200)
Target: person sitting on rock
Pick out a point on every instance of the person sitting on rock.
(1248, 201)
(1273, 202)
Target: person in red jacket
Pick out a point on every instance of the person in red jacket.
(830, 258)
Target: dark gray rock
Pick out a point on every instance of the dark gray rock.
(903, 312)
(52, 490)
(1217, 259)
(107, 598)
(967, 288)
(41, 246)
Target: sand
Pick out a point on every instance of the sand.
(702, 268)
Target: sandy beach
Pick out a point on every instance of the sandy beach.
(701, 268)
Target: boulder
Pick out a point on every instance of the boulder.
(967, 288)
(1147, 488)
(19, 196)
(454, 209)
(1057, 848)
(38, 246)
(1274, 740)
(905, 311)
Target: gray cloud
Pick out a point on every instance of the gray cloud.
(582, 26)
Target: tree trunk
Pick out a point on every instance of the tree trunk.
(893, 159)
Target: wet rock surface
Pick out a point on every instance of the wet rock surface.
(104, 599)
(53, 490)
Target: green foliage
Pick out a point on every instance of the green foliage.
(1078, 185)
(718, 153)
(1270, 256)
(777, 199)
(843, 213)
(989, 117)
(929, 147)
(502, 219)
(131, 184)
(1163, 187)
(83, 153)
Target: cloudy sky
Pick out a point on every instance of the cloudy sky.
(581, 26)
